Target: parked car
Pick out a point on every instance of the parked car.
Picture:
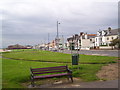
(54, 50)
(61, 48)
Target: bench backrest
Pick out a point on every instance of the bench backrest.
(49, 70)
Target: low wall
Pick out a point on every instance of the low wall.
(106, 47)
(85, 48)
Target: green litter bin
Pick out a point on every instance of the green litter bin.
(75, 59)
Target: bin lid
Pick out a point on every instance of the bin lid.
(75, 54)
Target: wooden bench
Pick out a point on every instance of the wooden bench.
(38, 73)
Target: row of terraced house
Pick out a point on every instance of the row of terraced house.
(100, 40)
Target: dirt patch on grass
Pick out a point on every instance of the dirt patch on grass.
(47, 83)
(108, 72)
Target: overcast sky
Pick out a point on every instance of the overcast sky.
(29, 21)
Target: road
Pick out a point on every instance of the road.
(95, 52)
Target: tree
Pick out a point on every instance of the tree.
(115, 42)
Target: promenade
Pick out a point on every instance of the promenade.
(95, 52)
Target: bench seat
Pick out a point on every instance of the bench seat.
(54, 75)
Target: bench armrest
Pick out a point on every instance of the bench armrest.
(32, 75)
(69, 71)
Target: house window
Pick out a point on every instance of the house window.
(107, 38)
(90, 39)
(80, 41)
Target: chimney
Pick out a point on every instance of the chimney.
(109, 28)
(81, 33)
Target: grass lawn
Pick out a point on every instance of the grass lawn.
(16, 72)
(0, 73)
(57, 57)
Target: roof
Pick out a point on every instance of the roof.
(109, 32)
(17, 46)
(91, 34)
(70, 38)
(113, 32)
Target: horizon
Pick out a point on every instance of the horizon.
(47, 42)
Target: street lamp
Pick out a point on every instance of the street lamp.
(48, 41)
(57, 30)
(57, 36)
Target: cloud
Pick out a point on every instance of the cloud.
(36, 18)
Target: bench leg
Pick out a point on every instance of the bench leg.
(68, 78)
(71, 78)
(32, 82)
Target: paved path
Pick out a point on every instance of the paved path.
(76, 84)
(95, 52)
(96, 84)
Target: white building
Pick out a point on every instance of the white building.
(87, 41)
(105, 37)
(82, 41)
(59, 43)
(73, 42)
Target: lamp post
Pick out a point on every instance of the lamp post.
(57, 38)
(48, 41)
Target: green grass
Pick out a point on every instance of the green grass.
(57, 57)
(16, 72)
(0, 73)
(87, 72)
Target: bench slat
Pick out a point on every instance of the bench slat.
(49, 72)
(53, 69)
(47, 68)
(55, 75)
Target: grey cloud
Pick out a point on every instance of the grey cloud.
(34, 22)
